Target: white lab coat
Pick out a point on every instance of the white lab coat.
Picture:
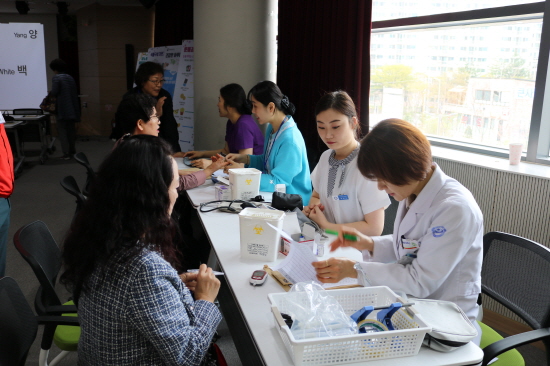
(447, 223)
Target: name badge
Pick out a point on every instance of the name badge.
(409, 243)
(341, 197)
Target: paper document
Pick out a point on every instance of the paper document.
(296, 267)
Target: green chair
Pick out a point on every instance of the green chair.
(515, 272)
(37, 246)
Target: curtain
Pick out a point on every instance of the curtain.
(323, 45)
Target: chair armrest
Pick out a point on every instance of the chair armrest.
(59, 309)
(58, 320)
(508, 343)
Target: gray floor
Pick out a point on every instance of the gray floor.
(39, 196)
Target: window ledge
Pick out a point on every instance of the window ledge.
(492, 162)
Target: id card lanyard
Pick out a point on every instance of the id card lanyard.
(271, 142)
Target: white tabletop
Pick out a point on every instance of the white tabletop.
(223, 232)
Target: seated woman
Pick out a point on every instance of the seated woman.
(437, 248)
(341, 195)
(284, 160)
(120, 261)
(242, 134)
(136, 115)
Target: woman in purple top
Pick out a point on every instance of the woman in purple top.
(242, 134)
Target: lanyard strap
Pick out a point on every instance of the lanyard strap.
(271, 142)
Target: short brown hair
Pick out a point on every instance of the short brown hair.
(396, 152)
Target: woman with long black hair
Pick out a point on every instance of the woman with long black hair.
(120, 263)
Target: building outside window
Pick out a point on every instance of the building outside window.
(468, 83)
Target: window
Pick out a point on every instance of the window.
(456, 98)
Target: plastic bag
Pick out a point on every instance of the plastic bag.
(317, 314)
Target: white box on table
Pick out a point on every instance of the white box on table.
(258, 240)
(244, 183)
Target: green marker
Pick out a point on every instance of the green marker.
(346, 236)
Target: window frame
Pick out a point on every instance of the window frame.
(538, 145)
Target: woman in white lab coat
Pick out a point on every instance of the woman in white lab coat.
(435, 250)
(342, 196)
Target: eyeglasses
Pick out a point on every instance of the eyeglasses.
(157, 82)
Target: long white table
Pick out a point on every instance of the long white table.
(247, 309)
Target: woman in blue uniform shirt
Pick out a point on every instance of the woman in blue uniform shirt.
(284, 160)
(436, 248)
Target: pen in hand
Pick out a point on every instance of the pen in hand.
(216, 273)
(349, 237)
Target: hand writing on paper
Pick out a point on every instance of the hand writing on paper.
(364, 242)
(334, 270)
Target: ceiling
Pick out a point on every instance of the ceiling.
(50, 6)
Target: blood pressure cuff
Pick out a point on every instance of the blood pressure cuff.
(286, 201)
(451, 328)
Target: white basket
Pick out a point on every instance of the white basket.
(404, 341)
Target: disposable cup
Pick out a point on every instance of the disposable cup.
(515, 153)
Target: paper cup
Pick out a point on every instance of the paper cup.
(515, 153)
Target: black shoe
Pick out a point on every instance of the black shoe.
(65, 157)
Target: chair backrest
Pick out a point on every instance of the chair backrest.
(516, 273)
(82, 159)
(37, 246)
(18, 324)
(69, 184)
(389, 216)
(30, 111)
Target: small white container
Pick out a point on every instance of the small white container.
(222, 192)
(244, 183)
(258, 240)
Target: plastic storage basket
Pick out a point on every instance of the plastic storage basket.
(404, 341)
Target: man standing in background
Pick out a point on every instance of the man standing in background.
(6, 188)
(67, 107)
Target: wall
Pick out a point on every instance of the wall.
(103, 32)
(511, 202)
(50, 35)
(235, 42)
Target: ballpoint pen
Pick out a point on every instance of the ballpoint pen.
(349, 237)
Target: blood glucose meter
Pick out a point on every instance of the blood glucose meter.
(258, 277)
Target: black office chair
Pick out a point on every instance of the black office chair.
(19, 324)
(389, 216)
(37, 246)
(515, 272)
(69, 184)
(82, 159)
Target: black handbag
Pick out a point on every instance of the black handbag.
(286, 201)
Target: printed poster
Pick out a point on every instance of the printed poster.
(184, 97)
(22, 65)
(169, 58)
